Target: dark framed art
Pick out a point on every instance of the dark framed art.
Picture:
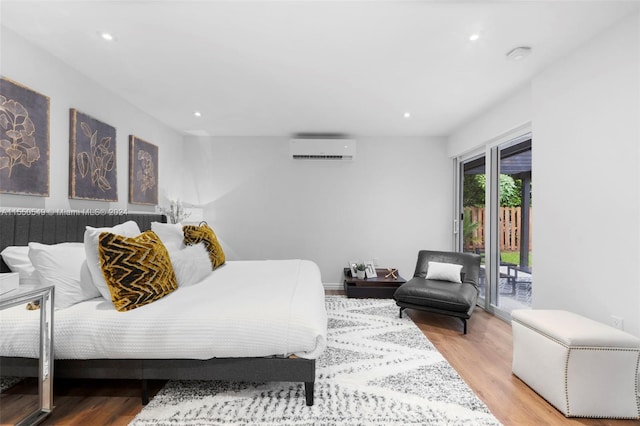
(92, 158)
(24, 140)
(143, 172)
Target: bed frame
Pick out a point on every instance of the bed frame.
(18, 229)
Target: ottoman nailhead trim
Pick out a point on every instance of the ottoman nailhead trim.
(566, 381)
(591, 348)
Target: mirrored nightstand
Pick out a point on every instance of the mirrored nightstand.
(43, 296)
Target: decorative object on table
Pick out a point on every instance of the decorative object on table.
(175, 212)
(361, 271)
(24, 140)
(143, 172)
(392, 273)
(370, 269)
(353, 267)
(377, 369)
(92, 158)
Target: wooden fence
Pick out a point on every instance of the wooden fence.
(509, 233)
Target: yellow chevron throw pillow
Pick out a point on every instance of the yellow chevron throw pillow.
(137, 269)
(196, 234)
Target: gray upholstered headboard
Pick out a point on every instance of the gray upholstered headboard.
(18, 229)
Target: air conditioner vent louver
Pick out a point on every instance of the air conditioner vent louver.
(322, 149)
(322, 157)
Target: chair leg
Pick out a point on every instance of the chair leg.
(401, 309)
(464, 321)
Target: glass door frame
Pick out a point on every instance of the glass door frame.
(491, 152)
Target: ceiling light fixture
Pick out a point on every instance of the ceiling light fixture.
(407, 114)
(519, 53)
(107, 36)
(474, 37)
(197, 114)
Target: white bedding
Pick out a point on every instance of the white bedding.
(243, 309)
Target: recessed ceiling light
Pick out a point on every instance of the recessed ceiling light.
(519, 53)
(197, 114)
(407, 114)
(474, 37)
(107, 36)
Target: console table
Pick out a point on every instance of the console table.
(380, 287)
(44, 296)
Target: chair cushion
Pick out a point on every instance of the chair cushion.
(443, 295)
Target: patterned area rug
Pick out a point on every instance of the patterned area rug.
(378, 369)
(9, 382)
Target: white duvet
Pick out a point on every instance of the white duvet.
(243, 309)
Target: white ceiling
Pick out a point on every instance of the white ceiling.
(282, 67)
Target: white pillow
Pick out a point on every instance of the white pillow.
(170, 234)
(17, 259)
(444, 272)
(64, 266)
(91, 235)
(190, 264)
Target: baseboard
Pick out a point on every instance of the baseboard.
(333, 286)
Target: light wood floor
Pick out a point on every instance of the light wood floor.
(482, 358)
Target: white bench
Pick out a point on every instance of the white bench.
(582, 367)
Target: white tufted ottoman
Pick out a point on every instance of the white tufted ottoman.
(580, 366)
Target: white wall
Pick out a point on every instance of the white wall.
(393, 200)
(33, 67)
(585, 115)
(586, 112)
(501, 119)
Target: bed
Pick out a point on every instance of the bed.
(261, 320)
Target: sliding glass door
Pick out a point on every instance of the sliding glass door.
(472, 216)
(514, 225)
(495, 199)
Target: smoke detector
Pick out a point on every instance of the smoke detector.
(519, 53)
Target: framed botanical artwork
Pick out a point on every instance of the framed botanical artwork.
(92, 158)
(143, 172)
(24, 140)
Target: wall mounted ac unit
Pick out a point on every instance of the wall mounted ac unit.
(322, 149)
